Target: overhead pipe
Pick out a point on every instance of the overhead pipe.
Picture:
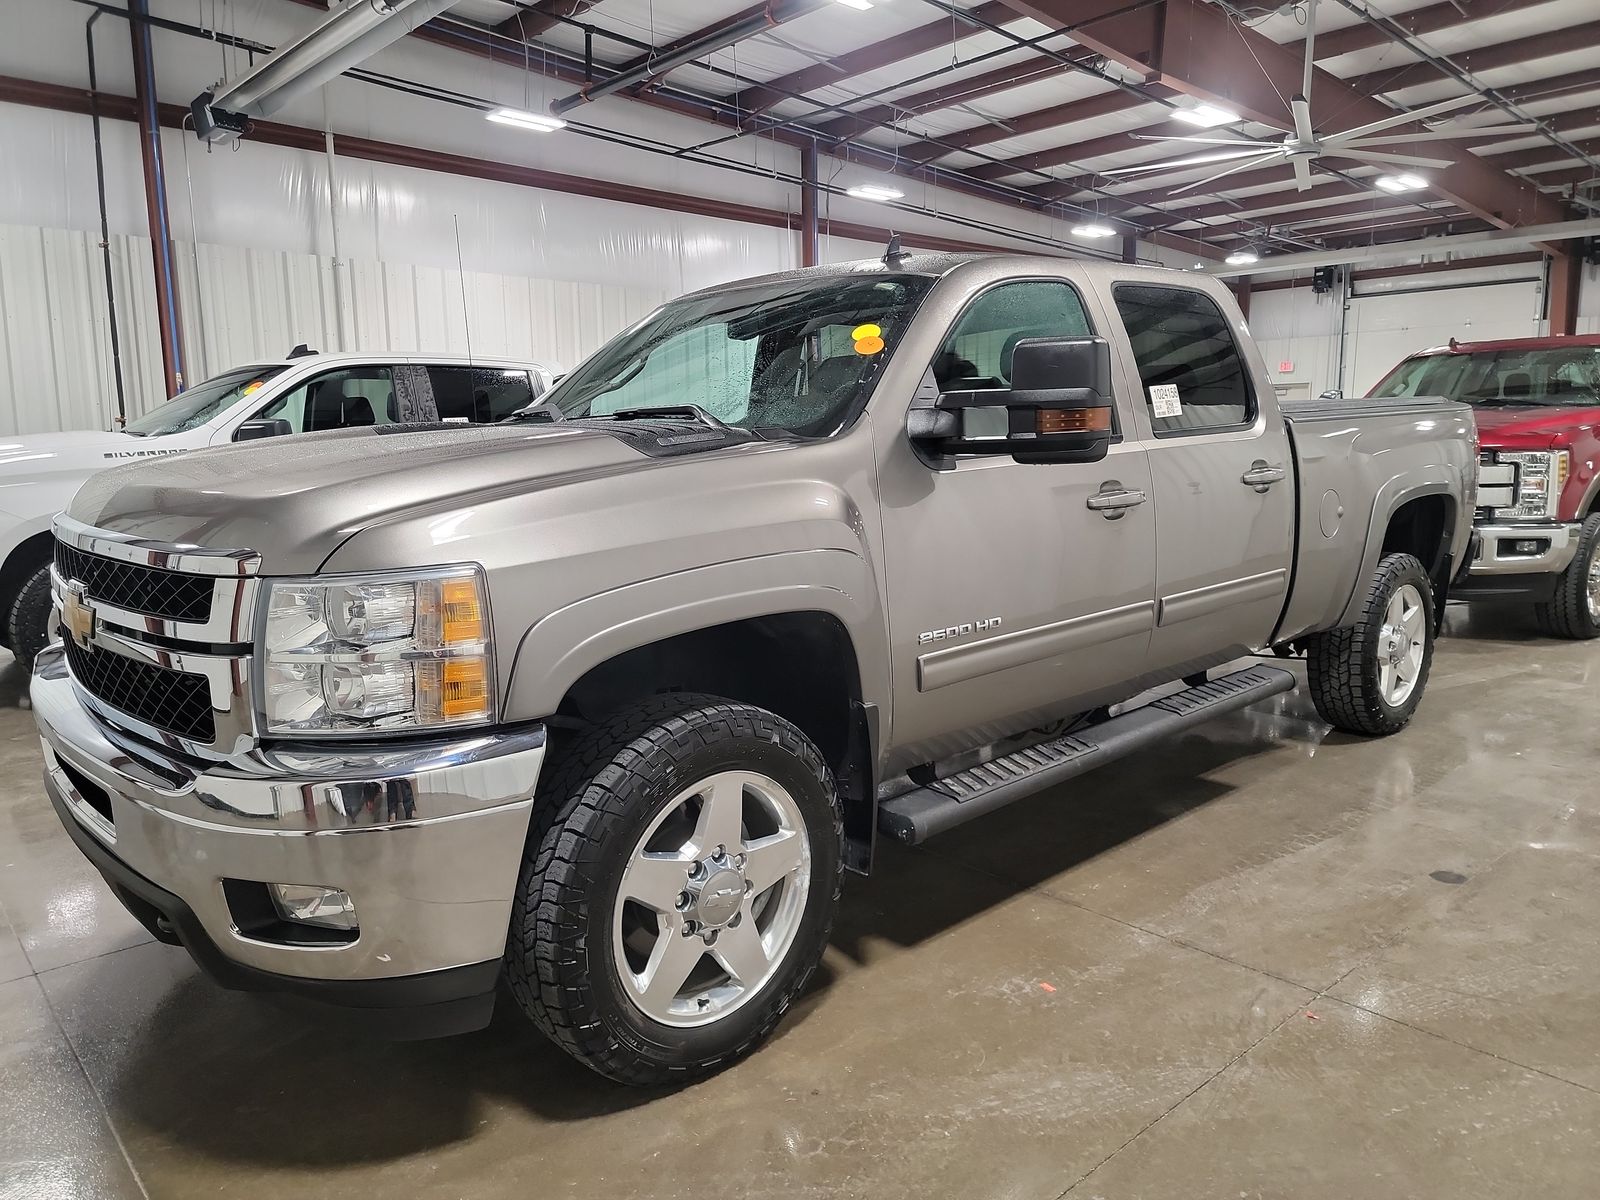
(105, 228)
(168, 317)
(347, 38)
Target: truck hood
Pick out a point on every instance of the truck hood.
(1518, 427)
(294, 500)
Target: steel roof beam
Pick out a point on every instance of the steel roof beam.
(534, 19)
(1196, 48)
(1418, 22)
(871, 57)
(1486, 58)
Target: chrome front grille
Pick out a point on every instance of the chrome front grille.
(174, 701)
(1497, 484)
(140, 589)
(159, 636)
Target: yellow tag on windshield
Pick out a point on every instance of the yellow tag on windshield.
(252, 386)
(868, 339)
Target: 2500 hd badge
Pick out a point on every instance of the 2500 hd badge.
(983, 625)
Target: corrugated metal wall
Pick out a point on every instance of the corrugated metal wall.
(242, 304)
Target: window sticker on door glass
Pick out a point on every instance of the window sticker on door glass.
(1164, 400)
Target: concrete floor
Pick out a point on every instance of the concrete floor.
(1269, 962)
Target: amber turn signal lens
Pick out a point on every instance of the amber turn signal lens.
(463, 613)
(466, 688)
(1074, 420)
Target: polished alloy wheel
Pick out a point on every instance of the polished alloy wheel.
(711, 898)
(1401, 643)
(1594, 588)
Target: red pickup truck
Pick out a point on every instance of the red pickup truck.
(1537, 525)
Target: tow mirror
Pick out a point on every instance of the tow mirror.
(1057, 409)
(249, 431)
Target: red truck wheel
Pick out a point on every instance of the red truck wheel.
(1574, 611)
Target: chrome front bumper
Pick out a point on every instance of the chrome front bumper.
(426, 838)
(1496, 558)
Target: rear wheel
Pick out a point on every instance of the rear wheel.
(678, 889)
(1369, 678)
(28, 623)
(1574, 610)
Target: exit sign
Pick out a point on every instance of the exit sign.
(1285, 366)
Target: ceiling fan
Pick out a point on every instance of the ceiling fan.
(1303, 145)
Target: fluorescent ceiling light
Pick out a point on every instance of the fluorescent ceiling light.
(1207, 116)
(1241, 258)
(874, 191)
(1093, 231)
(535, 122)
(863, 5)
(1401, 183)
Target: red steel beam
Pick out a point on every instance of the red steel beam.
(872, 57)
(1539, 155)
(1487, 58)
(1418, 22)
(1576, 81)
(1566, 276)
(542, 17)
(962, 91)
(1196, 48)
(1295, 218)
(1092, 108)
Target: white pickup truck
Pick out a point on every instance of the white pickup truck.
(305, 392)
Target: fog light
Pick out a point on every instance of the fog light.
(308, 904)
(1529, 546)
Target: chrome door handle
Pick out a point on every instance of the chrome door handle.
(1261, 475)
(1113, 502)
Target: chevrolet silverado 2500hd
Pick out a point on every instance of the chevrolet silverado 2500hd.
(1537, 402)
(605, 699)
(304, 392)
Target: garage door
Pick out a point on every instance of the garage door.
(1387, 326)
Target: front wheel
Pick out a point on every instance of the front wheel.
(29, 619)
(1369, 678)
(1574, 610)
(678, 889)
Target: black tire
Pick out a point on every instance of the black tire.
(1568, 613)
(1343, 667)
(28, 624)
(599, 796)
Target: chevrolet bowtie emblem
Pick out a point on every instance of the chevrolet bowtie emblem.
(77, 616)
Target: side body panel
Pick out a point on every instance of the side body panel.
(618, 559)
(1357, 463)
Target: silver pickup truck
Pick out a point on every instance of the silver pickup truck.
(604, 700)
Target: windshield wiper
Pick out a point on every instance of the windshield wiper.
(666, 412)
(543, 411)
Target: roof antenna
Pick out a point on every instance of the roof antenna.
(894, 252)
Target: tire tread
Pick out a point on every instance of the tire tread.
(588, 785)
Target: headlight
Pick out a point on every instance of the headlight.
(1540, 474)
(347, 655)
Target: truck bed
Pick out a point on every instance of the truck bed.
(1354, 448)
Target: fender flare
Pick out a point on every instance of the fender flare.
(1437, 480)
(561, 647)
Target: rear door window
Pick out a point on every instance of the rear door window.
(1193, 376)
(479, 395)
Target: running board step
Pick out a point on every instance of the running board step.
(915, 816)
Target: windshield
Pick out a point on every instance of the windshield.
(201, 402)
(1568, 375)
(799, 355)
